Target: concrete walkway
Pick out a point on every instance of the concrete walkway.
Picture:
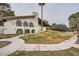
(18, 44)
(76, 45)
(14, 46)
(50, 47)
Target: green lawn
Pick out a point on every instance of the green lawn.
(68, 52)
(49, 37)
(3, 36)
(4, 43)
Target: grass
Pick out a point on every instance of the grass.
(4, 43)
(3, 36)
(49, 37)
(68, 52)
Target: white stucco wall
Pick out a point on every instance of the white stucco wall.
(13, 22)
(8, 28)
(44, 28)
(39, 29)
(11, 28)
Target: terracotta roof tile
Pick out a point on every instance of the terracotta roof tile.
(17, 17)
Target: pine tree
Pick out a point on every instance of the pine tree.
(74, 22)
(5, 10)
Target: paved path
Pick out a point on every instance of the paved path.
(76, 45)
(18, 44)
(14, 46)
(50, 47)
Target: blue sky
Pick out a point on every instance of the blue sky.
(53, 12)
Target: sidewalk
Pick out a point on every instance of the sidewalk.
(14, 46)
(19, 45)
(50, 47)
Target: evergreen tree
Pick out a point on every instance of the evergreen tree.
(5, 10)
(74, 22)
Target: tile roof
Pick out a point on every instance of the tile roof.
(17, 17)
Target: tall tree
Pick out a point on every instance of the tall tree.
(74, 22)
(5, 10)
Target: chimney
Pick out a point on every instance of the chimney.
(35, 13)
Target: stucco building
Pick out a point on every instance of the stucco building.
(21, 24)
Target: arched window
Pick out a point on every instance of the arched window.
(33, 31)
(25, 24)
(18, 23)
(19, 31)
(27, 31)
(31, 24)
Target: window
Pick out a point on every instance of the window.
(25, 24)
(19, 31)
(18, 23)
(31, 24)
(27, 31)
(33, 31)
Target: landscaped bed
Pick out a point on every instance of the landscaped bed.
(3, 36)
(68, 52)
(49, 37)
(4, 43)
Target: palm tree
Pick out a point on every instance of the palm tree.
(41, 4)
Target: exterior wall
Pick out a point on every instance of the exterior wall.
(34, 21)
(39, 29)
(44, 28)
(11, 28)
(13, 22)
